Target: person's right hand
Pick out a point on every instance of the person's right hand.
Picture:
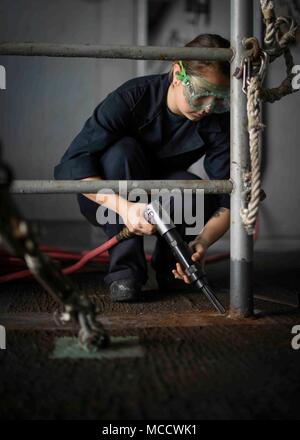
(133, 217)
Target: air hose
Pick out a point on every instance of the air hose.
(98, 255)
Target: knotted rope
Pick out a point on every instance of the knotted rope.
(276, 45)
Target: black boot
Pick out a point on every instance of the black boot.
(125, 290)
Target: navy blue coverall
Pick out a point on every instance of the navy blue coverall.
(132, 135)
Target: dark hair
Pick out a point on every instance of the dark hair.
(196, 67)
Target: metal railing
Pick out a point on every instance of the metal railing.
(92, 187)
(241, 245)
(114, 51)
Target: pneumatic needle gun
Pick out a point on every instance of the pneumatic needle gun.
(157, 215)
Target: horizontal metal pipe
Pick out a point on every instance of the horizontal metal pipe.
(114, 51)
(92, 187)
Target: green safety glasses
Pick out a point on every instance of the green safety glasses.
(200, 94)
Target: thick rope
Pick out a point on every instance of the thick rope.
(255, 127)
(276, 42)
(286, 87)
(276, 45)
(267, 7)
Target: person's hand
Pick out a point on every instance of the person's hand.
(133, 217)
(198, 247)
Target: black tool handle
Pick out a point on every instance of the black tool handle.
(183, 255)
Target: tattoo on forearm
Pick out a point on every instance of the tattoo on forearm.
(219, 212)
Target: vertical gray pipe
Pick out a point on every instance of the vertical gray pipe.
(241, 245)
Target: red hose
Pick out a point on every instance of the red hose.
(98, 255)
(67, 270)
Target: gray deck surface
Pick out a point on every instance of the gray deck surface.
(186, 363)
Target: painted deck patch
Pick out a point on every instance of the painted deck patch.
(121, 347)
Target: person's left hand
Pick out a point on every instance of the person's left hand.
(198, 248)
